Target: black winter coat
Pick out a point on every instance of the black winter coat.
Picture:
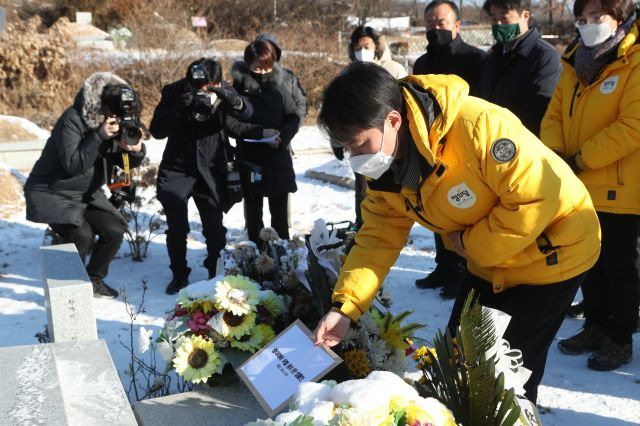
(70, 172)
(273, 108)
(194, 148)
(457, 58)
(523, 79)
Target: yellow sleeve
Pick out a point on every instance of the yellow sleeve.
(621, 137)
(378, 243)
(527, 187)
(551, 133)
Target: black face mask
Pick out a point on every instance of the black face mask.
(438, 37)
(260, 78)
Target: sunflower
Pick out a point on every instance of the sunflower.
(267, 333)
(272, 302)
(249, 342)
(237, 294)
(196, 359)
(232, 326)
(357, 362)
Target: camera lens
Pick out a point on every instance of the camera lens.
(131, 135)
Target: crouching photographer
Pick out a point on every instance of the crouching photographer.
(197, 162)
(100, 131)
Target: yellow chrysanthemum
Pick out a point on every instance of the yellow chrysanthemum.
(422, 357)
(232, 326)
(357, 362)
(237, 294)
(196, 359)
(249, 342)
(267, 333)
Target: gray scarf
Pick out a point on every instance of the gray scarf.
(589, 61)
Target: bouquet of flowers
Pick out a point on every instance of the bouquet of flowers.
(378, 340)
(278, 265)
(215, 320)
(382, 398)
(475, 373)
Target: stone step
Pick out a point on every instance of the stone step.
(223, 405)
(69, 383)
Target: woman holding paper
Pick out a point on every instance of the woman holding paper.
(263, 141)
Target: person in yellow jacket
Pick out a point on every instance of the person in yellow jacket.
(469, 170)
(593, 121)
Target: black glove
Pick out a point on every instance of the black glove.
(576, 165)
(229, 99)
(338, 151)
(184, 101)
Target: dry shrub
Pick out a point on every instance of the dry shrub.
(11, 198)
(34, 67)
(14, 132)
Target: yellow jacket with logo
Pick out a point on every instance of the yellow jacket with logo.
(527, 219)
(601, 121)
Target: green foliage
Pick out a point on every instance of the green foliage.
(461, 376)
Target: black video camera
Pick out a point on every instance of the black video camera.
(128, 120)
(202, 104)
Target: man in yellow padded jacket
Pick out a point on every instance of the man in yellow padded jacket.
(469, 170)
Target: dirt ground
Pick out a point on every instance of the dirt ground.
(11, 198)
(13, 132)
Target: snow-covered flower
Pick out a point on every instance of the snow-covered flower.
(165, 350)
(237, 294)
(144, 339)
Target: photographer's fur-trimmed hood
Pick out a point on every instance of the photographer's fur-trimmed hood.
(88, 100)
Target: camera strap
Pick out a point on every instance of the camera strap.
(127, 174)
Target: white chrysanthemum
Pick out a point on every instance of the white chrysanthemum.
(351, 337)
(273, 302)
(144, 339)
(201, 290)
(268, 234)
(237, 294)
(378, 353)
(369, 324)
(395, 362)
(165, 350)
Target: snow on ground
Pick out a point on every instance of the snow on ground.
(571, 392)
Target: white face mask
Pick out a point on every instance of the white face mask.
(595, 34)
(365, 55)
(373, 165)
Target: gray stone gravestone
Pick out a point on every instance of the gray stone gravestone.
(68, 295)
(70, 383)
(204, 406)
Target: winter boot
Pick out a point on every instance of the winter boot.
(101, 289)
(588, 340)
(610, 356)
(435, 279)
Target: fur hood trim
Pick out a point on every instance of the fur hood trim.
(88, 101)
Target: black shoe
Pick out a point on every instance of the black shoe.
(588, 340)
(576, 310)
(101, 289)
(610, 356)
(435, 279)
(177, 284)
(449, 292)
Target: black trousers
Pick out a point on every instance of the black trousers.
(361, 193)
(109, 230)
(449, 260)
(610, 291)
(253, 208)
(175, 207)
(537, 312)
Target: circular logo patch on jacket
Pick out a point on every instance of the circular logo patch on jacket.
(609, 85)
(503, 150)
(461, 196)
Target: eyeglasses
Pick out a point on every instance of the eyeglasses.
(584, 21)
